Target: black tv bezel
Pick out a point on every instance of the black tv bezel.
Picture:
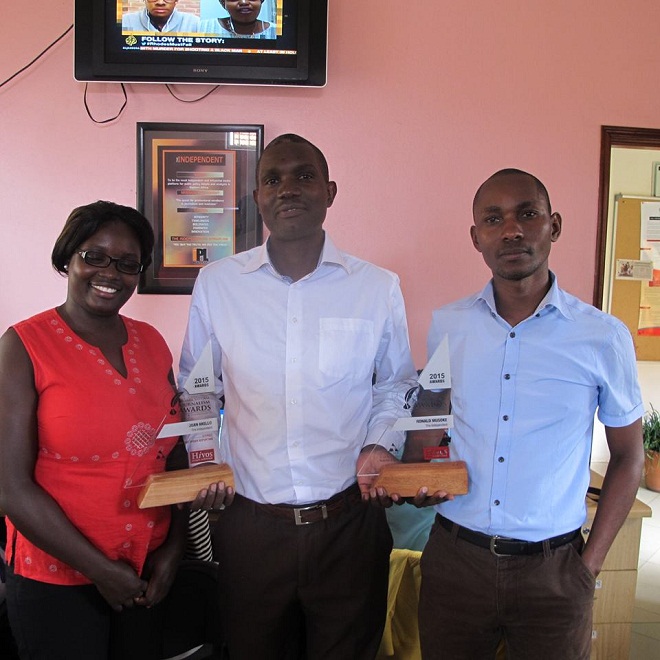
(91, 64)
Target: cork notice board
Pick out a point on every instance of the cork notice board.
(625, 294)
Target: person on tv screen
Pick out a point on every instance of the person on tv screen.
(243, 21)
(159, 16)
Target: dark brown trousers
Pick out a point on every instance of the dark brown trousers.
(540, 605)
(316, 591)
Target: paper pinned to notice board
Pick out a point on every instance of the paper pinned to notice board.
(649, 299)
(629, 269)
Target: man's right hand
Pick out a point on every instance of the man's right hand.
(214, 498)
(423, 499)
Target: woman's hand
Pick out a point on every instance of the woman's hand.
(120, 585)
(160, 570)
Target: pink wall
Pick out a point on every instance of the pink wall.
(424, 101)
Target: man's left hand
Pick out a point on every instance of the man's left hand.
(369, 464)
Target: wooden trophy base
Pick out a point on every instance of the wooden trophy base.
(406, 479)
(182, 485)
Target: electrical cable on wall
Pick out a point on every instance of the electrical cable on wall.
(123, 88)
(41, 54)
(178, 98)
(105, 121)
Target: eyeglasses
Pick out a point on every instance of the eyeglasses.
(100, 260)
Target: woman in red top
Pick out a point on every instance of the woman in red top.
(84, 392)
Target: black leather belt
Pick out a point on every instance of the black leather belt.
(502, 545)
(317, 511)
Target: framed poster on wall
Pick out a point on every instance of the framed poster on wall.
(194, 184)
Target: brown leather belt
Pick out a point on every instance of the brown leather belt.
(316, 511)
(502, 545)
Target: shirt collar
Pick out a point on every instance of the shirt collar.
(329, 255)
(553, 299)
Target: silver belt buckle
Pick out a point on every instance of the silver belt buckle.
(298, 510)
(493, 549)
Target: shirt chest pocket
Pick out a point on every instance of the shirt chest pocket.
(346, 347)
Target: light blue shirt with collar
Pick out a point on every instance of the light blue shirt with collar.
(523, 401)
(297, 360)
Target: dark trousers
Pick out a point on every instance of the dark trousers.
(541, 604)
(315, 591)
(55, 622)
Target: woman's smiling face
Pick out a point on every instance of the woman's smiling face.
(104, 291)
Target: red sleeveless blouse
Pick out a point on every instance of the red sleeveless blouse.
(97, 441)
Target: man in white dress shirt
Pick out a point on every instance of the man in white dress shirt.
(312, 348)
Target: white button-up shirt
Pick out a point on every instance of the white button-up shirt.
(312, 370)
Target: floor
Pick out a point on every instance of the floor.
(646, 618)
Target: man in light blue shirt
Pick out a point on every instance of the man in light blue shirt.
(531, 365)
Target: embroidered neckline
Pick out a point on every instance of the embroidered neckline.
(130, 351)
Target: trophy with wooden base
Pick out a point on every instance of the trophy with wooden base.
(426, 460)
(182, 485)
(201, 433)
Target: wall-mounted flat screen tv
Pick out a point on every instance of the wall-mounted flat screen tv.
(239, 42)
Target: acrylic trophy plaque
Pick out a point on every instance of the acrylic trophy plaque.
(426, 460)
(201, 434)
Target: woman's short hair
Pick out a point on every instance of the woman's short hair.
(85, 221)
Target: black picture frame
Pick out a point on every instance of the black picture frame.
(194, 184)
